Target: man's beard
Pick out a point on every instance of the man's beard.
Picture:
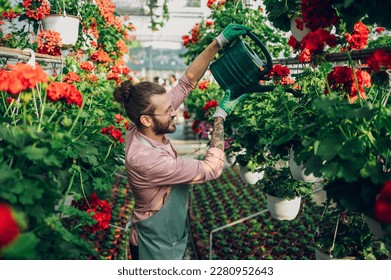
(160, 128)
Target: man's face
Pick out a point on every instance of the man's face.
(163, 118)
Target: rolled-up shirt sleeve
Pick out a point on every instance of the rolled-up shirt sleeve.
(181, 91)
(167, 170)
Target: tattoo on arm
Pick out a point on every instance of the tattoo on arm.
(218, 134)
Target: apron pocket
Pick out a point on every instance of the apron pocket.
(179, 247)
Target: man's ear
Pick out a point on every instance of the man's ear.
(146, 120)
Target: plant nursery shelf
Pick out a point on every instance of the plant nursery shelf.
(334, 57)
(25, 55)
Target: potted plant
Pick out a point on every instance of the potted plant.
(349, 146)
(283, 193)
(280, 13)
(64, 18)
(60, 16)
(344, 235)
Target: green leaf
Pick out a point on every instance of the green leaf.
(330, 169)
(329, 147)
(35, 154)
(13, 135)
(32, 192)
(23, 248)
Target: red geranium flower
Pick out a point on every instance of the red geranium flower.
(21, 77)
(341, 79)
(71, 77)
(203, 85)
(100, 211)
(358, 39)
(114, 133)
(210, 104)
(87, 66)
(196, 129)
(186, 115)
(59, 90)
(383, 204)
(379, 59)
(9, 229)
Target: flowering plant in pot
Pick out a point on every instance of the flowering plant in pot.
(224, 13)
(101, 29)
(351, 148)
(280, 13)
(283, 193)
(52, 147)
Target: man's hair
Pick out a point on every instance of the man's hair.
(136, 99)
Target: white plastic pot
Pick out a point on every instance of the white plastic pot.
(298, 171)
(297, 33)
(250, 177)
(374, 227)
(283, 209)
(67, 26)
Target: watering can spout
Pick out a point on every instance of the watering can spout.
(240, 69)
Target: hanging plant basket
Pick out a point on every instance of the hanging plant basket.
(283, 209)
(298, 171)
(297, 33)
(374, 227)
(67, 26)
(320, 255)
(250, 177)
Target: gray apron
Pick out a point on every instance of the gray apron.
(163, 236)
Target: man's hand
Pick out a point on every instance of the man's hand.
(231, 32)
(227, 106)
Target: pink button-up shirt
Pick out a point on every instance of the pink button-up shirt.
(152, 167)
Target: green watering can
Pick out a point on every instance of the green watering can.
(239, 69)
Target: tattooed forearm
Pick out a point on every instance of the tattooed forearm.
(218, 134)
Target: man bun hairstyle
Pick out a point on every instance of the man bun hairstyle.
(136, 99)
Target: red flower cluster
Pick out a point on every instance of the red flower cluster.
(318, 13)
(71, 77)
(383, 204)
(60, 90)
(119, 69)
(49, 42)
(36, 9)
(194, 36)
(215, 3)
(115, 77)
(101, 57)
(210, 104)
(358, 39)
(9, 15)
(314, 42)
(186, 115)
(341, 79)
(99, 210)
(380, 29)
(380, 59)
(203, 85)
(21, 77)
(9, 229)
(87, 66)
(119, 118)
(107, 8)
(196, 129)
(209, 22)
(123, 49)
(280, 74)
(114, 133)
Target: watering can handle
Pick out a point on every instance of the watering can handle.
(269, 63)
